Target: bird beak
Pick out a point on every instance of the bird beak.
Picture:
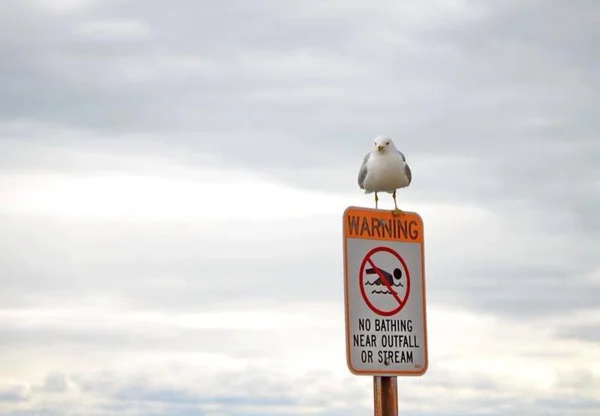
(380, 148)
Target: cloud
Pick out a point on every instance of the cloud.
(55, 382)
(10, 392)
(178, 362)
(172, 226)
(172, 181)
(113, 29)
(120, 284)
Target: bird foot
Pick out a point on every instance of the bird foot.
(397, 212)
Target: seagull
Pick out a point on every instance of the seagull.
(384, 169)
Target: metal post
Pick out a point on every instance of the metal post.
(385, 391)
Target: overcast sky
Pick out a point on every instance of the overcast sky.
(173, 177)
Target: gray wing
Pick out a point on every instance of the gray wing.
(362, 173)
(407, 170)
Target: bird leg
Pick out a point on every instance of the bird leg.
(396, 211)
(376, 200)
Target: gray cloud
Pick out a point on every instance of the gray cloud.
(167, 265)
(516, 102)
(272, 393)
(458, 85)
(55, 382)
(243, 393)
(588, 333)
(13, 393)
(492, 103)
(433, 84)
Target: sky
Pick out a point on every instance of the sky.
(173, 177)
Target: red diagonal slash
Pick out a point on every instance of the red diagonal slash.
(384, 281)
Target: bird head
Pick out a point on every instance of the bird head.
(383, 144)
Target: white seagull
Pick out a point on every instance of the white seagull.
(384, 169)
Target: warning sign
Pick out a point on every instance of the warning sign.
(384, 281)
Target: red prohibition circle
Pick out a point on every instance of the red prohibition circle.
(401, 302)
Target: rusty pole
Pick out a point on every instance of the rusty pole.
(385, 391)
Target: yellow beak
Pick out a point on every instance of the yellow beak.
(380, 148)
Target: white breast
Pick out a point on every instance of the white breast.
(385, 173)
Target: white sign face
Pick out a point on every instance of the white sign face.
(384, 287)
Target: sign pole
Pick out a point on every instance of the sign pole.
(385, 391)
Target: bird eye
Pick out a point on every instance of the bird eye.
(386, 143)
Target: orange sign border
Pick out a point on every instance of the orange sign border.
(387, 215)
